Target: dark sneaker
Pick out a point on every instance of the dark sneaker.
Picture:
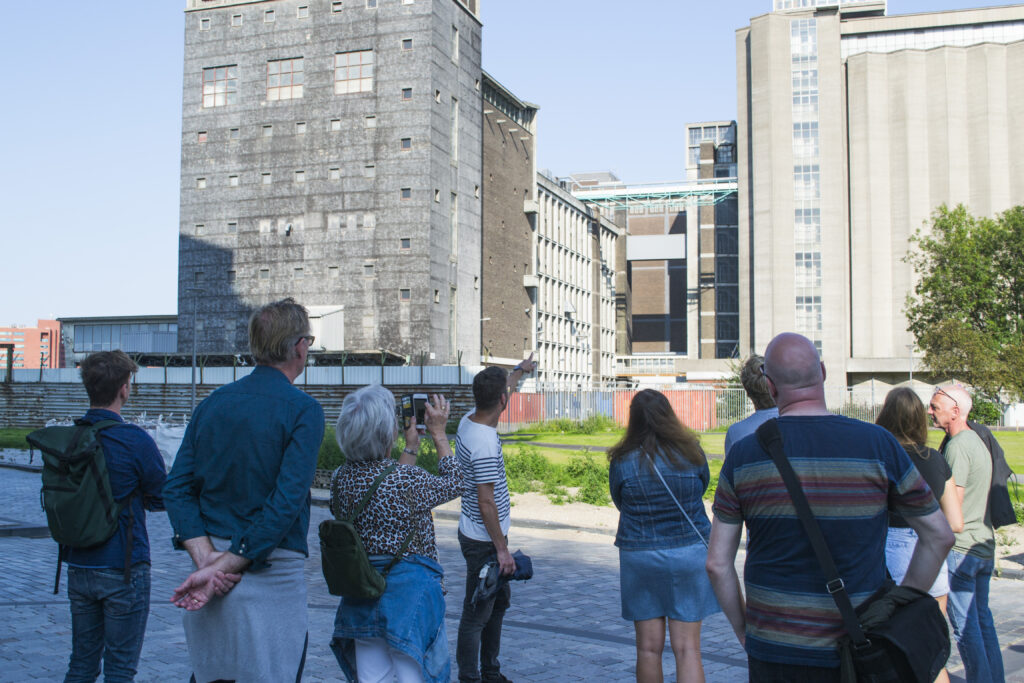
(500, 679)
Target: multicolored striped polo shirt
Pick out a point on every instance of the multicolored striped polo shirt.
(852, 473)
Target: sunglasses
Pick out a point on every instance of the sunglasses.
(940, 391)
(308, 337)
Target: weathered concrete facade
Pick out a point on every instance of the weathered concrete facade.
(853, 128)
(332, 152)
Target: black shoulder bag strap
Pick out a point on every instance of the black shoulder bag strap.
(770, 438)
(362, 505)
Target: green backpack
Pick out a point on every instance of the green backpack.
(81, 511)
(346, 566)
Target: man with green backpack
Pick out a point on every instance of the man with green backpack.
(99, 478)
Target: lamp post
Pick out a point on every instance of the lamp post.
(910, 348)
(195, 291)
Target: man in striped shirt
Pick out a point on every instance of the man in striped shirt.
(484, 523)
(852, 473)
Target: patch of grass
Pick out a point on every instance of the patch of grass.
(13, 437)
(330, 455)
(591, 425)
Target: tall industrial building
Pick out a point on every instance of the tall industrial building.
(853, 128)
(548, 258)
(677, 275)
(331, 151)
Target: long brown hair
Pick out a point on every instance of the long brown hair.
(904, 416)
(655, 429)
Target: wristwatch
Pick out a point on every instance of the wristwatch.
(409, 451)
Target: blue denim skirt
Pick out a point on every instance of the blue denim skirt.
(670, 582)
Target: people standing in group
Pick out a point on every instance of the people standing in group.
(904, 416)
(484, 522)
(972, 559)
(109, 607)
(756, 387)
(401, 634)
(658, 474)
(789, 624)
(238, 499)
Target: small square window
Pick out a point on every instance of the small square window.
(369, 171)
(437, 296)
(350, 221)
(300, 128)
(369, 220)
(336, 6)
(268, 131)
(236, 19)
(232, 181)
(404, 295)
(300, 176)
(200, 183)
(231, 276)
(406, 144)
(368, 269)
(269, 16)
(297, 273)
(264, 273)
(265, 178)
(234, 134)
(200, 228)
(405, 193)
(334, 173)
(476, 191)
(302, 11)
(232, 226)
(371, 4)
(407, 2)
(476, 282)
(405, 243)
(204, 24)
(406, 93)
(197, 276)
(437, 196)
(335, 124)
(437, 96)
(332, 271)
(371, 121)
(477, 86)
(406, 43)
(201, 136)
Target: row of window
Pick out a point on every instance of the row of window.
(333, 173)
(301, 12)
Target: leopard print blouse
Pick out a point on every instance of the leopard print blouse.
(403, 501)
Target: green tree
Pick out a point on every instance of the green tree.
(967, 309)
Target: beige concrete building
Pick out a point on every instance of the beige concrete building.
(853, 127)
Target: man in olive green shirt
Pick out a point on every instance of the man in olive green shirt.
(972, 559)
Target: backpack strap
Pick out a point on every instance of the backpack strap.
(369, 493)
(770, 438)
(129, 541)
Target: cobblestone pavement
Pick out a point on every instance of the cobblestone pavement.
(564, 625)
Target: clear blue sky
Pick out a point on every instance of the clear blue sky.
(89, 163)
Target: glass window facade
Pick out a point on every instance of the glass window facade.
(220, 85)
(806, 176)
(284, 79)
(353, 72)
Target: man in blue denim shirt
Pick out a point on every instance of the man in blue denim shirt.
(108, 614)
(238, 500)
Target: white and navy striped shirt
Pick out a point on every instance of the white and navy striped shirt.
(479, 452)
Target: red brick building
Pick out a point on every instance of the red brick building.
(32, 347)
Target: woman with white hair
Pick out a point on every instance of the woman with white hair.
(402, 633)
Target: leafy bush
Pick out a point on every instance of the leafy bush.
(590, 425)
(984, 411)
(591, 477)
(524, 466)
(528, 470)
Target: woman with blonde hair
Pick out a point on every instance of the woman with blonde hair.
(904, 415)
(657, 475)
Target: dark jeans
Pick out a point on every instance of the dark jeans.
(476, 653)
(769, 672)
(108, 621)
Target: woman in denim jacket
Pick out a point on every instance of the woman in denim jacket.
(661, 553)
(402, 634)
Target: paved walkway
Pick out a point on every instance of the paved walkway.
(564, 625)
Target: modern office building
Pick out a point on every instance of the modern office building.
(136, 335)
(331, 152)
(853, 128)
(676, 285)
(548, 259)
(27, 347)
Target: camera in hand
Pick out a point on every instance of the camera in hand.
(414, 404)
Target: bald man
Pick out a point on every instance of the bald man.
(972, 559)
(789, 624)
